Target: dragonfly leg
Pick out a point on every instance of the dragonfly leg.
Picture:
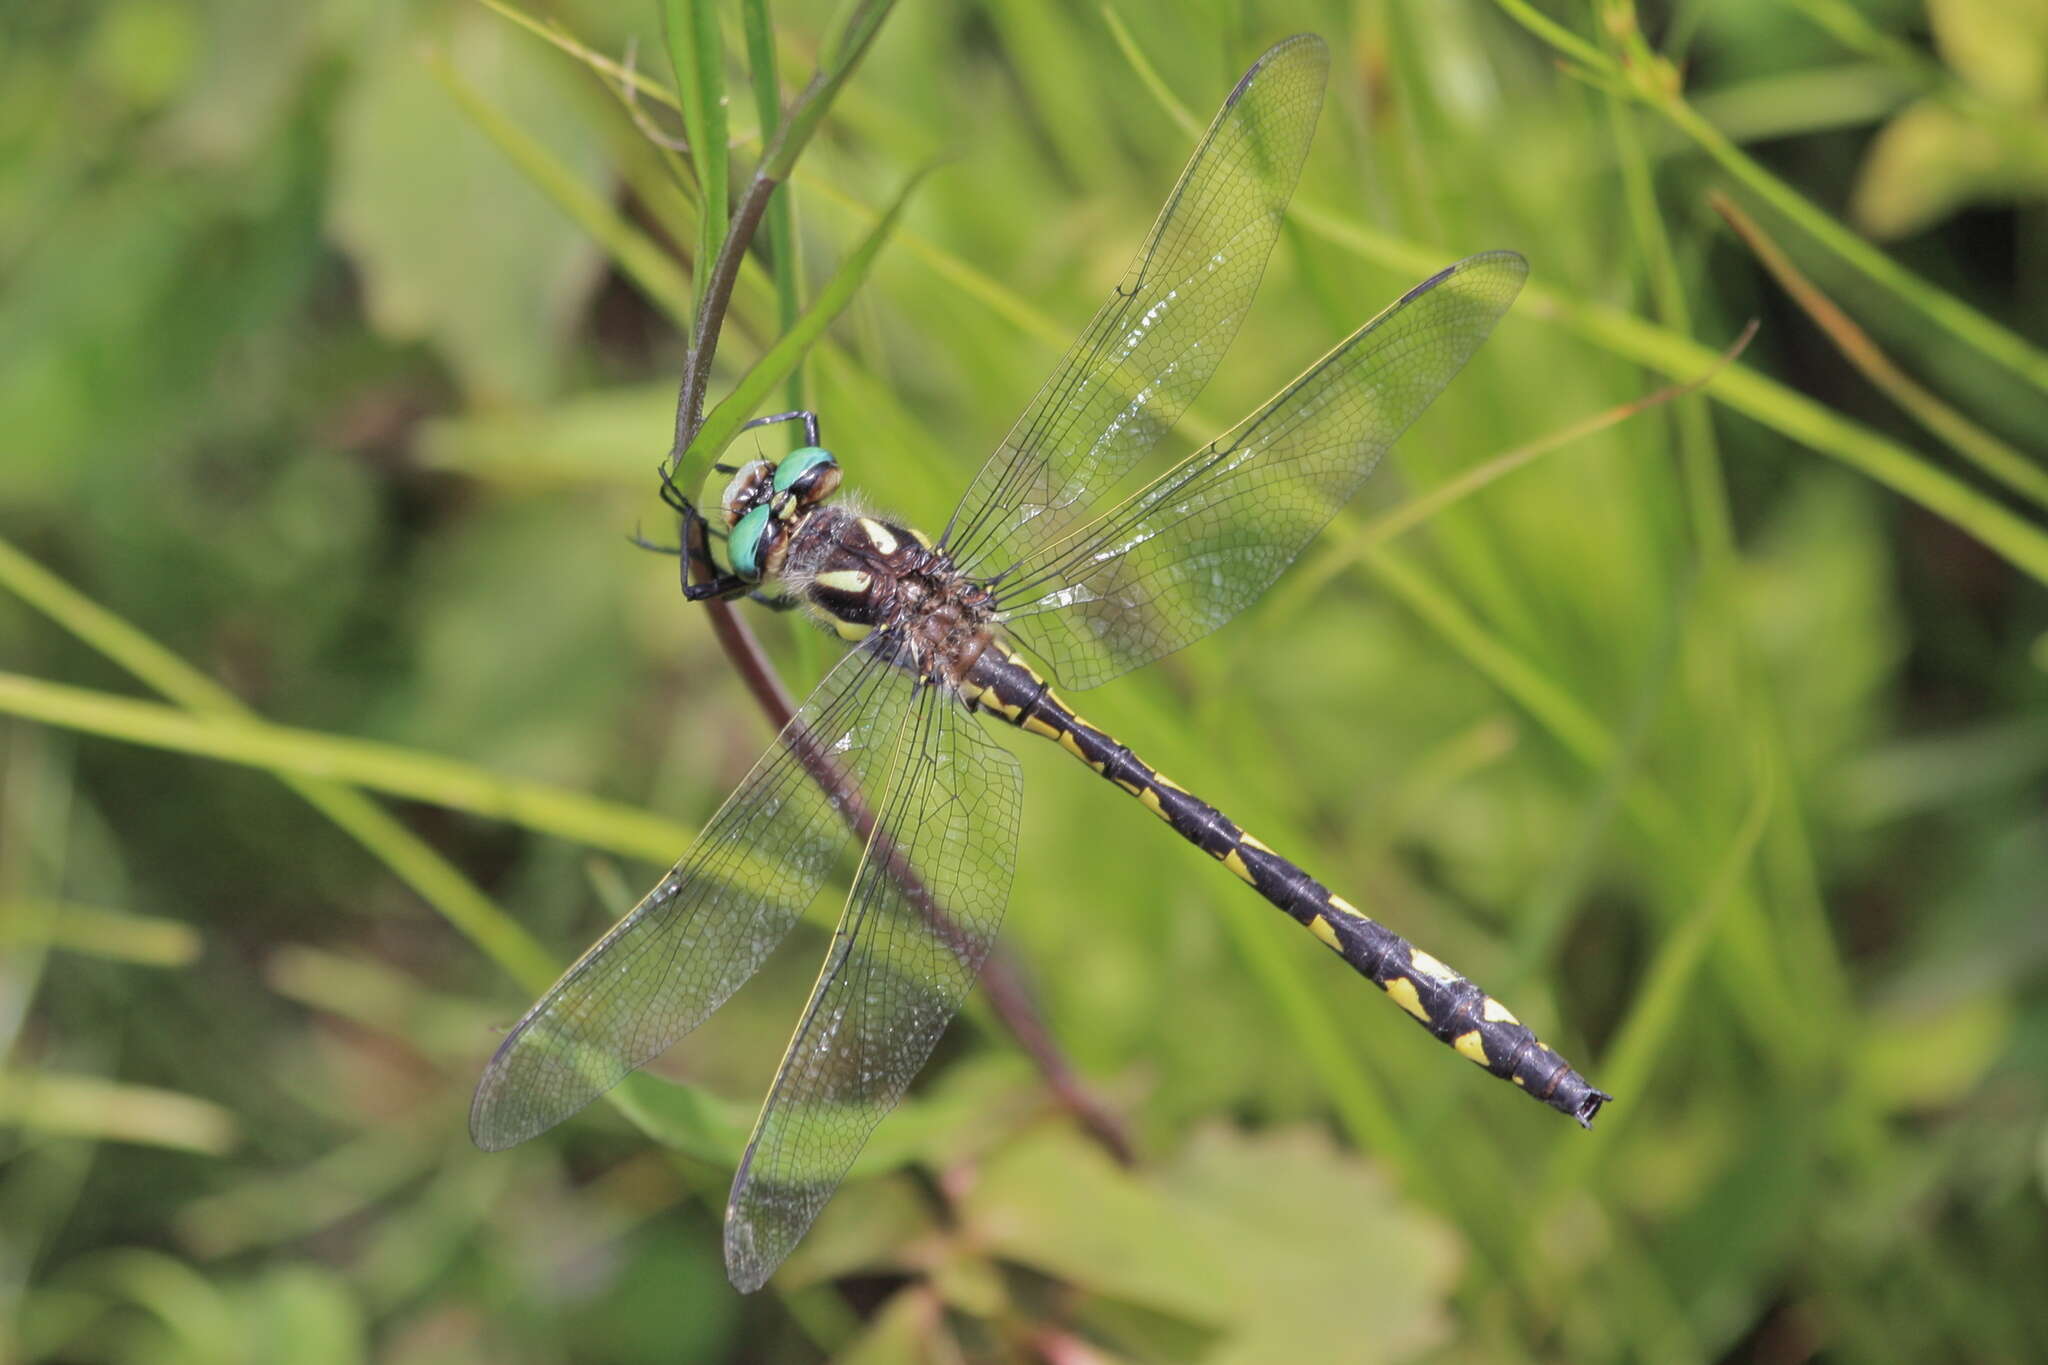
(644, 543)
(808, 418)
(724, 587)
(673, 495)
(720, 585)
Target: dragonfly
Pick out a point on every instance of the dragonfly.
(1079, 545)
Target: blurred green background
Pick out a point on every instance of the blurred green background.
(337, 346)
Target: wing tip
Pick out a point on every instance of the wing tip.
(488, 1128)
(1311, 43)
(746, 1272)
(1513, 261)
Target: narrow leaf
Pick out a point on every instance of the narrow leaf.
(780, 220)
(841, 53)
(634, 252)
(384, 767)
(781, 359)
(691, 28)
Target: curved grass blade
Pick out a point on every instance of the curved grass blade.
(633, 251)
(781, 359)
(698, 58)
(411, 859)
(400, 771)
(1653, 82)
(1965, 437)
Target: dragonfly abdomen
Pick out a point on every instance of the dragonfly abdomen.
(1454, 1010)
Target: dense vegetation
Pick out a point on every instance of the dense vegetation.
(338, 344)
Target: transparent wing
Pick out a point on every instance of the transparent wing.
(1200, 543)
(921, 917)
(712, 921)
(1155, 343)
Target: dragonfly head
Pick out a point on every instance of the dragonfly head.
(763, 505)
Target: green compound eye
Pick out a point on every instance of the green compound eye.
(743, 548)
(798, 469)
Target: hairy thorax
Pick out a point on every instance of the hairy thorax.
(857, 573)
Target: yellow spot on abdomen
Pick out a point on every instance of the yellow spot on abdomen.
(1343, 906)
(1430, 967)
(1320, 927)
(850, 630)
(1496, 1013)
(855, 581)
(1072, 745)
(1255, 842)
(1403, 993)
(1039, 725)
(1235, 863)
(1472, 1045)
(878, 536)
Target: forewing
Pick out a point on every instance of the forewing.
(1155, 343)
(1198, 545)
(922, 916)
(712, 920)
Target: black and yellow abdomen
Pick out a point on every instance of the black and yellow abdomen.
(1454, 1010)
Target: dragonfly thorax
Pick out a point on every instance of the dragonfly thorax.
(858, 573)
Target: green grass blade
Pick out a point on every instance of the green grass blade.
(1778, 406)
(56, 1104)
(637, 255)
(690, 27)
(1966, 438)
(1944, 310)
(436, 880)
(1574, 47)
(384, 767)
(782, 358)
(551, 33)
(843, 49)
(1655, 82)
(780, 218)
(145, 940)
(1148, 75)
(1814, 425)
(1347, 544)
(1568, 721)
(984, 288)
